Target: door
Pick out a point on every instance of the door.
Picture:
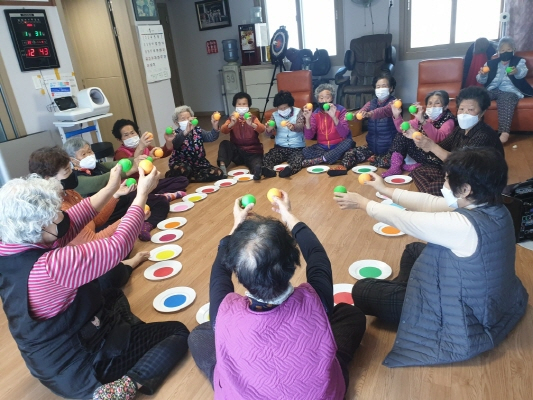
(175, 77)
(93, 37)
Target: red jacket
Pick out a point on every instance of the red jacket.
(244, 136)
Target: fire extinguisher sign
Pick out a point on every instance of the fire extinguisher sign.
(211, 46)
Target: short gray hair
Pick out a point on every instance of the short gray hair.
(72, 145)
(180, 110)
(325, 86)
(26, 206)
(507, 39)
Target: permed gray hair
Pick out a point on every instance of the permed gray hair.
(26, 206)
(325, 86)
(506, 39)
(72, 145)
(180, 110)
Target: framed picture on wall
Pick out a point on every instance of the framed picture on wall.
(212, 14)
(145, 10)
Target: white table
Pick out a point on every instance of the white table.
(68, 124)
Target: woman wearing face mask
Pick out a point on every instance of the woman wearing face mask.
(134, 145)
(505, 87)
(91, 180)
(381, 129)
(436, 122)
(189, 157)
(329, 128)
(461, 293)
(53, 162)
(289, 124)
(75, 337)
(472, 102)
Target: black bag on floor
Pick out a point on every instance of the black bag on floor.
(518, 198)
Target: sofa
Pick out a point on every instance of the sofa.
(447, 74)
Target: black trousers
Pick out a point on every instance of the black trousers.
(153, 350)
(382, 298)
(228, 152)
(348, 324)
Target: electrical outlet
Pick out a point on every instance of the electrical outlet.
(390, 3)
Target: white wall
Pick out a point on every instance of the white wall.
(199, 71)
(31, 103)
(200, 80)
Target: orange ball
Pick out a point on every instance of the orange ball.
(359, 116)
(397, 104)
(364, 178)
(417, 135)
(273, 192)
(486, 69)
(158, 152)
(216, 116)
(149, 136)
(236, 114)
(146, 166)
(146, 208)
(309, 106)
(283, 123)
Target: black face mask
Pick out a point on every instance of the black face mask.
(62, 227)
(71, 182)
(506, 56)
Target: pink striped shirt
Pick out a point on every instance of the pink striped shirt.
(57, 274)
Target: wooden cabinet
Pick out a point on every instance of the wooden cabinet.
(256, 81)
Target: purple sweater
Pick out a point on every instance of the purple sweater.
(286, 353)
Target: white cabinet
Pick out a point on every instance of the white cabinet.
(256, 81)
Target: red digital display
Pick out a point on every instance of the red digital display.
(37, 52)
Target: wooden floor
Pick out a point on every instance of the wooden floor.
(503, 373)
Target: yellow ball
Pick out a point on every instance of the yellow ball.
(146, 208)
(273, 192)
(417, 135)
(216, 116)
(158, 152)
(359, 116)
(283, 123)
(146, 166)
(486, 69)
(149, 136)
(309, 106)
(364, 178)
(397, 104)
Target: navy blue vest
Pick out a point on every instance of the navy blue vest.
(59, 351)
(520, 84)
(381, 132)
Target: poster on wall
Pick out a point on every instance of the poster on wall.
(154, 52)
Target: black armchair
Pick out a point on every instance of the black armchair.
(368, 57)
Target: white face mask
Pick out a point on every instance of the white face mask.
(285, 113)
(451, 200)
(382, 93)
(242, 110)
(183, 125)
(88, 162)
(433, 112)
(132, 142)
(467, 121)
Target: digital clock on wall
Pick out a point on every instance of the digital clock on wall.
(32, 40)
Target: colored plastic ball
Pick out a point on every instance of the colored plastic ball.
(273, 192)
(417, 135)
(169, 130)
(397, 104)
(216, 116)
(340, 189)
(146, 166)
(126, 164)
(413, 109)
(405, 125)
(271, 123)
(509, 70)
(326, 107)
(158, 152)
(349, 116)
(364, 178)
(130, 182)
(247, 199)
(194, 122)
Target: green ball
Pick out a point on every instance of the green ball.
(405, 125)
(271, 123)
(349, 116)
(413, 109)
(194, 122)
(247, 115)
(326, 107)
(247, 199)
(150, 159)
(130, 181)
(340, 189)
(126, 164)
(509, 70)
(169, 130)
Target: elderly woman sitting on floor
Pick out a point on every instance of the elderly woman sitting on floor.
(75, 337)
(269, 343)
(458, 295)
(504, 79)
(329, 126)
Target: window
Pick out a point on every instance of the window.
(444, 28)
(311, 24)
